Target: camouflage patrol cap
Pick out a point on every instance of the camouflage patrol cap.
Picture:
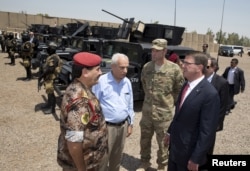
(159, 44)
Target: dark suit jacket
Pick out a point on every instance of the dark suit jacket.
(36, 43)
(194, 125)
(239, 79)
(221, 85)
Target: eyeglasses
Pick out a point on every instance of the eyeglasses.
(189, 63)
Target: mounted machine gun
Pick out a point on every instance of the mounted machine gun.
(129, 27)
(141, 32)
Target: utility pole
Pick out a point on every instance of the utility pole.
(219, 42)
(175, 13)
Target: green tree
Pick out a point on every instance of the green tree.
(233, 39)
(210, 32)
(221, 37)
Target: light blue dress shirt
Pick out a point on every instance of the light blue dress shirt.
(116, 98)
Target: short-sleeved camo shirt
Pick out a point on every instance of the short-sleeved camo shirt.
(81, 112)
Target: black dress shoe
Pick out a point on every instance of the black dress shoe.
(232, 106)
(12, 64)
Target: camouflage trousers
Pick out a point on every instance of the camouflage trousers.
(148, 128)
(26, 62)
(49, 86)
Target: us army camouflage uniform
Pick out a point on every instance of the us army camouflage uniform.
(80, 111)
(161, 91)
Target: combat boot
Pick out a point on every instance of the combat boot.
(51, 103)
(12, 60)
(143, 166)
(28, 74)
(47, 104)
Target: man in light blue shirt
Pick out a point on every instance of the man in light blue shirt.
(115, 94)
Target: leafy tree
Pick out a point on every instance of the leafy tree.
(221, 37)
(230, 38)
(210, 32)
(233, 39)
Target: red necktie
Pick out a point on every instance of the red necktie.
(184, 91)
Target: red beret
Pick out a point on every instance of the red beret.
(87, 59)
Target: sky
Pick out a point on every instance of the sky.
(194, 15)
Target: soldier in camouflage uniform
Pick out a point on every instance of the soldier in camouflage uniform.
(26, 54)
(11, 46)
(2, 40)
(162, 81)
(51, 69)
(83, 143)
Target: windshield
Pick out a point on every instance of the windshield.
(131, 50)
(226, 47)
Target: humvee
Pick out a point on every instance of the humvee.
(135, 42)
(138, 53)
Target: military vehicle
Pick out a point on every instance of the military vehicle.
(134, 40)
(65, 48)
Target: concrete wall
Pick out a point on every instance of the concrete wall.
(196, 41)
(18, 22)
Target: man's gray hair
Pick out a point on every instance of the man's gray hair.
(117, 56)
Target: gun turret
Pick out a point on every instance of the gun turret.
(131, 21)
(82, 28)
(140, 32)
(129, 26)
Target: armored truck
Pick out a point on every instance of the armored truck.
(132, 39)
(138, 53)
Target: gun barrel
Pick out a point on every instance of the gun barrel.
(116, 16)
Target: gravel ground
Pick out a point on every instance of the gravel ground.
(29, 138)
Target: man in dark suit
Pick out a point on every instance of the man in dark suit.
(236, 80)
(192, 131)
(221, 85)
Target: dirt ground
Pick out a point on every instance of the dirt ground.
(28, 138)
